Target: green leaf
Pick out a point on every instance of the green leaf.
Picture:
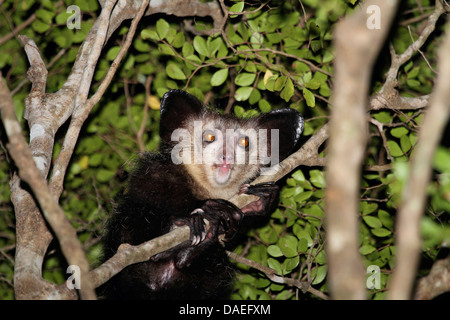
(288, 246)
(372, 222)
(398, 132)
(149, 34)
(309, 97)
(256, 40)
(394, 149)
(175, 72)
(441, 161)
(279, 83)
(219, 77)
(187, 49)
(45, 15)
(274, 264)
(386, 219)
(255, 96)
(40, 26)
(270, 83)
(288, 90)
(301, 233)
(104, 175)
(298, 175)
(274, 251)
(200, 46)
(313, 84)
(383, 116)
(302, 245)
(87, 5)
(62, 17)
(239, 111)
(178, 40)
(213, 46)
(303, 196)
(319, 274)
(317, 178)
(243, 93)
(367, 208)
(112, 53)
(237, 7)
(405, 143)
(381, 232)
(412, 83)
(193, 61)
(264, 106)
(162, 28)
(245, 79)
(316, 45)
(321, 257)
(366, 249)
(290, 264)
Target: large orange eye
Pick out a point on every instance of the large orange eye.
(243, 142)
(208, 136)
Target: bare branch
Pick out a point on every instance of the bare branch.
(392, 100)
(82, 111)
(399, 60)
(29, 173)
(348, 137)
(128, 254)
(415, 194)
(388, 96)
(436, 282)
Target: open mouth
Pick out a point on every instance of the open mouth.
(222, 172)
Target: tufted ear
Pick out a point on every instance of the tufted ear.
(290, 124)
(177, 106)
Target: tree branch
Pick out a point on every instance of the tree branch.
(348, 137)
(46, 112)
(82, 111)
(29, 173)
(388, 96)
(436, 282)
(399, 60)
(415, 193)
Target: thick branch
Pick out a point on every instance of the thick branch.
(348, 137)
(46, 112)
(415, 193)
(83, 110)
(29, 173)
(436, 282)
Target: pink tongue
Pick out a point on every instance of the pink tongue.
(223, 170)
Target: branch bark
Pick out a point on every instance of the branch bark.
(348, 137)
(436, 282)
(388, 96)
(46, 112)
(29, 173)
(415, 193)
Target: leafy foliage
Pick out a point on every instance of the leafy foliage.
(266, 58)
